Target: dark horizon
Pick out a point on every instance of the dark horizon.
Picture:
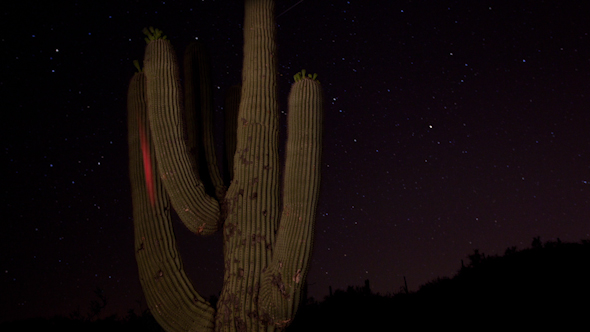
(448, 128)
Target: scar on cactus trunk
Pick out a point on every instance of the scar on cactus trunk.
(268, 238)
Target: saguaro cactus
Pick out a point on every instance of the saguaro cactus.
(267, 237)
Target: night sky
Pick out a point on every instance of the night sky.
(450, 126)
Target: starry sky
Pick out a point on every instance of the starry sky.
(450, 126)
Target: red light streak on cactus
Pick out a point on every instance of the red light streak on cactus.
(147, 164)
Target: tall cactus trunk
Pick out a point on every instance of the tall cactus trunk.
(267, 242)
(253, 198)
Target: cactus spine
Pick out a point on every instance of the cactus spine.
(267, 240)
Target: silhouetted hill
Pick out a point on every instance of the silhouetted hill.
(547, 285)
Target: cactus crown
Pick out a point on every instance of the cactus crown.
(153, 34)
(301, 75)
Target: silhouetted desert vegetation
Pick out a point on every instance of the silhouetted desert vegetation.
(545, 285)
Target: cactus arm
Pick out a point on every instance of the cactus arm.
(170, 296)
(199, 117)
(284, 278)
(199, 212)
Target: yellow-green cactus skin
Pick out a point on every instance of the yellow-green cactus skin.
(268, 229)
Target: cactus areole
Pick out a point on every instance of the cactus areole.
(267, 227)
